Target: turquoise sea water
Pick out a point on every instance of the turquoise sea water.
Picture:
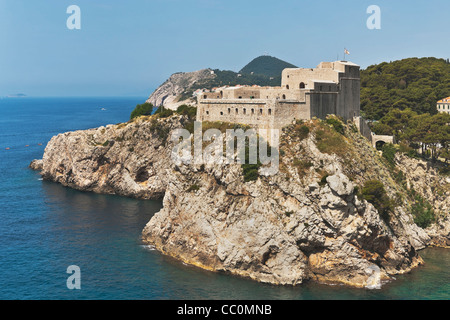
(44, 228)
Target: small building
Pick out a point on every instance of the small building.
(444, 105)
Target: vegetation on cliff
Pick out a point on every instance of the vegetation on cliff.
(409, 83)
(428, 133)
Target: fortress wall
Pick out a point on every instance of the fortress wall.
(348, 104)
(286, 112)
(254, 112)
(323, 104)
(293, 77)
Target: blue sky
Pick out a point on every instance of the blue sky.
(131, 47)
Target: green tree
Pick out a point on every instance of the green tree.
(141, 110)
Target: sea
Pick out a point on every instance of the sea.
(46, 228)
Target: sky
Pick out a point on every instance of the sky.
(129, 48)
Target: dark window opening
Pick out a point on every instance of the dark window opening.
(270, 112)
(302, 85)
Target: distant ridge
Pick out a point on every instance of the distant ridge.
(267, 66)
(179, 88)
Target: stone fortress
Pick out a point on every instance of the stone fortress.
(331, 88)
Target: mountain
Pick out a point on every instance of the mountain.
(409, 83)
(267, 66)
(179, 88)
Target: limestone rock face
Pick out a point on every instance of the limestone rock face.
(168, 94)
(304, 223)
(263, 233)
(129, 159)
(435, 188)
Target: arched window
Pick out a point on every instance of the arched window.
(205, 96)
(270, 112)
(302, 85)
(287, 86)
(284, 97)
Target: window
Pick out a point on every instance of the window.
(270, 112)
(229, 111)
(245, 111)
(260, 111)
(205, 96)
(284, 97)
(253, 111)
(287, 86)
(221, 113)
(240, 97)
(207, 112)
(237, 110)
(302, 85)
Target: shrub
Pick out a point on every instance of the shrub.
(144, 109)
(373, 191)
(389, 151)
(188, 111)
(336, 124)
(194, 187)
(163, 112)
(250, 172)
(323, 180)
(329, 141)
(422, 212)
(302, 131)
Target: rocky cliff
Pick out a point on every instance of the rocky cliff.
(307, 222)
(170, 93)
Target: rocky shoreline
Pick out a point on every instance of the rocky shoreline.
(307, 222)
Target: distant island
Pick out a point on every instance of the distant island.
(16, 95)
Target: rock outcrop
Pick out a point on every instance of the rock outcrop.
(424, 178)
(128, 159)
(170, 93)
(306, 222)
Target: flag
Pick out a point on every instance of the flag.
(346, 51)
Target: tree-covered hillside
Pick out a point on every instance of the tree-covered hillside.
(231, 78)
(409, 83)
(267, 66)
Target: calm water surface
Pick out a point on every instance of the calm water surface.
(44, 228)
